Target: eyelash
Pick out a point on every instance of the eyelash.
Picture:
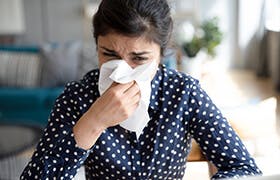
(137, 58)
(140, 58)
(108, 54)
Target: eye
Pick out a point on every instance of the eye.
(139, 58)
(109, 54)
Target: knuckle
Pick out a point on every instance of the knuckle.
(135, 106)
(126, 114)
(136, 87)
(138, 97)
(119, 103)
(115, 94)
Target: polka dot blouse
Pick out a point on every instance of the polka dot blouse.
(179, 111)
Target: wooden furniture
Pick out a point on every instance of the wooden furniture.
(196, 155)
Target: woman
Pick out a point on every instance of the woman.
(84, 127)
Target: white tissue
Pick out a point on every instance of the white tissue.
(120, 72)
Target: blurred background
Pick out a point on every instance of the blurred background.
(231, 46)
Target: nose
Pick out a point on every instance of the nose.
(130, 63)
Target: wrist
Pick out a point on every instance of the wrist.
(95, 122)
(87, 131)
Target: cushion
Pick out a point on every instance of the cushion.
(28, 98)
(33, 105)
(18, 48)
(60, 63)
(19, 67)
(88, 60)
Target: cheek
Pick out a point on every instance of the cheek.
(158, 59)
(101, 59)
(158, 56)
(155, 71)
(100, 62)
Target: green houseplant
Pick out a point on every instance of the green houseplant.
(201, 44)
(209, 36)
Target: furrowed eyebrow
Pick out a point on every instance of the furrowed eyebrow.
(132, 53)
(109, 50)
(140, 53)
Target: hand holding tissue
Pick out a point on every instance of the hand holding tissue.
(119, 71)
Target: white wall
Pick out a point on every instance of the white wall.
(250, 32)
(242, 24)
(52, 21)
(226, 10)
(11, 17)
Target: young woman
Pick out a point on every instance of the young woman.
(84, 125)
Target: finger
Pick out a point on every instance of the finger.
(133, 100)
(132, 90)
(122, 87)
(133, 107)
(114, 84)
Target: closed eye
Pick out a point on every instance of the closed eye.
(139, 58)
(109, 54)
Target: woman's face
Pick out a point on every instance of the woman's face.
(134, 50)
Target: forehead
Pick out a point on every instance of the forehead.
(122, 43)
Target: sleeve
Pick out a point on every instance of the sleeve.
(57, 155)
(217, 139)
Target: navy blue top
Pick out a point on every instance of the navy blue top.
(179, 110)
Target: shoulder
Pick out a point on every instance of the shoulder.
(86, 87)
(76, 98)
(175, 79)
(90, 79)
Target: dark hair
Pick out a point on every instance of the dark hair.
(134, 18)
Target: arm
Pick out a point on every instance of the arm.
(57, 153)
(217, 139)
(71, 134)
